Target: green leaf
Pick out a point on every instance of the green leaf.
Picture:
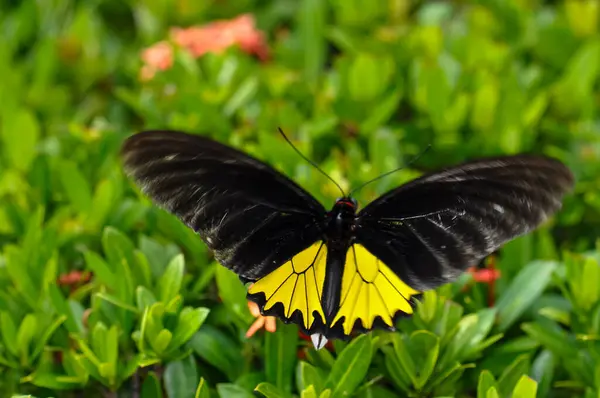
(525, 388)
(158, 255)
(492, 393)
(45, 336)
(98, 341)
(181, 378)
(511, 375)
(424, 348)
(310, 376)
(485, 103)
(170, 282)
(55, 381)
(103, 200)
(586, 292)
(270, 391)
(351, 367)
(523, 291)
(471, 331)
(384, 149)
(368, 77)
(76, 186)
(144, 298)
(227, 390)
(396, 370)
(17, 270)
(190, 321)
(119, 303)
(280, 356)
(219, 350)
(131, 365)
(202, 391)
(383, 112)
(8, 329)
(112, 349)
(61, 305)
(245, 92)
(162, 341)
(438, 96)
(311, 27)
(325, 394)
(542, 371)
(151, 387)
(25, 336)
(233, 293)
(405, 360)
(486, 382)
(120, 253)
(101, 270)
(552, 337)
(309, 392)
(20, 134)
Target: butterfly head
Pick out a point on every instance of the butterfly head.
(347, 202)
(341, 220)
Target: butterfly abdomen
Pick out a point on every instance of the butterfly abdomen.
(332, 285)
(340, 233)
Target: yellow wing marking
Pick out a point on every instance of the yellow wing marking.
(370, 289)
(297, 284)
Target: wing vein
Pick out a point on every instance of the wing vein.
(279, 287)
(394, 286)
(292, 295)
(427, 245)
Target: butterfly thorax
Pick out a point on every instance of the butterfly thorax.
(341, 223)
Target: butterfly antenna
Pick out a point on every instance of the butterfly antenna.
(311, 162)
(392, 171)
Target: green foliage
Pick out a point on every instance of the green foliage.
(361, 88)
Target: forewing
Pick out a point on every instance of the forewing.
(432, 229)
(252, 217)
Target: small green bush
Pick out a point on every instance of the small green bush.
(362, 88)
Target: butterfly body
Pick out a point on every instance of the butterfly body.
(339, 235)
(340, 271)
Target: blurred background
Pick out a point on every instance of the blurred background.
(102, 294)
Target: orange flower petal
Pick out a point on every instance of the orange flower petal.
(254, 310)
(271, 324)
(256, 326)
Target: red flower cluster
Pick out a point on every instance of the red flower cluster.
(74, 279)
(214, 37)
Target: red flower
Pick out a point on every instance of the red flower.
(74, 279)
(217, 36)
(158, 57)
(214, 37)
(489, 276)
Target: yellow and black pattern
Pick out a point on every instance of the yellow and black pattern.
(297, 285)
(370, 289)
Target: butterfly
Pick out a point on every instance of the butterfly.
(344, 270)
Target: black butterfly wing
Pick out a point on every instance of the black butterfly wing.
(432, 229)
(252, 217)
